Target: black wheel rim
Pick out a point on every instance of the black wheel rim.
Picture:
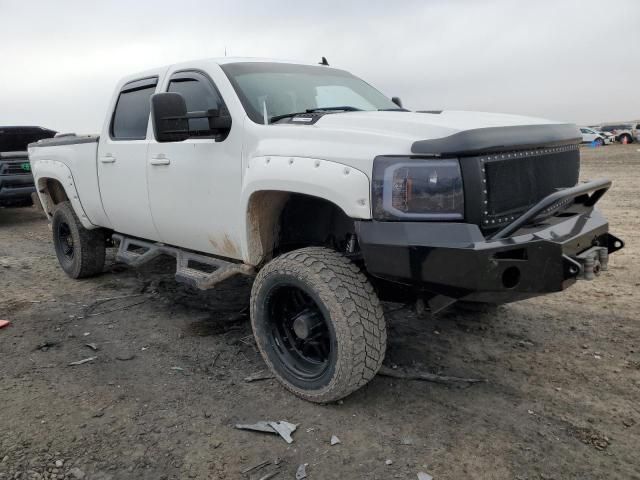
(300, 333)
(66, 240)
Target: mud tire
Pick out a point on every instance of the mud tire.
(83, 256)
(350, 307)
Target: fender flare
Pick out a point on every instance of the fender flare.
(44, 170)
(344, 186)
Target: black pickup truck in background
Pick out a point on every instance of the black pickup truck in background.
(16, 181)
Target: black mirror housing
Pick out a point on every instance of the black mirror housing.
(169, 115)
(171, 118)
(219, 122)
(397, 101)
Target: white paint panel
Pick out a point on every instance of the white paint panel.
(345, 186)
(52, 169)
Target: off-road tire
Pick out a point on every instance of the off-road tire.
(355, 315)
(89, 246)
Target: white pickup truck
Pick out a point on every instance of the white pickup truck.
(331, 194)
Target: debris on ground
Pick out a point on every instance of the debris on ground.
(84, 360)
(256, 467)
(92, 346)
(302, 471)
(425, 376)
(335, 440)
(282, 428)
(424, 476)
(4, 323)
(261, 426)
(256, 377)
(388, 462)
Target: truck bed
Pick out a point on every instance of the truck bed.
(66, 139)
(71, 158)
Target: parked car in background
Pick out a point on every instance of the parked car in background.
(624, 133)
(637, 128)
(16, 181)
(609, 137)
(593, 137)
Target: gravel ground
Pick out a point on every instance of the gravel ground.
(167, 385)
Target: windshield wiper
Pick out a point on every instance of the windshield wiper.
(399, 109)
(344, 108)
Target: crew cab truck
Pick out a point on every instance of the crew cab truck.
(331, 194)
(16, 181)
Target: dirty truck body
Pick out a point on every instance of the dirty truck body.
(16, 181)
(332, 194)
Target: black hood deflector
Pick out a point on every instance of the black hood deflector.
(499, 139)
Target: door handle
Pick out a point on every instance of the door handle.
(159, 159)
(108, 159)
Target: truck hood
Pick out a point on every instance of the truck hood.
(356, 138)
(423, 125)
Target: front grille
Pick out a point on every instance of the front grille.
(515, 181)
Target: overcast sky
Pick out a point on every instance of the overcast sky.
(563, 59)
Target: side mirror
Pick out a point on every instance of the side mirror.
(169, 115)
(397, 101)
(219, 121)
(171, 118)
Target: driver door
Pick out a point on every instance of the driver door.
(195, 184)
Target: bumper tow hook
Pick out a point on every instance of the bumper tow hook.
(592, 262)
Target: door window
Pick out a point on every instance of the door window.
(131, 115)
(199, 95)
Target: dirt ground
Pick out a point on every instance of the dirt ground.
(162, 397)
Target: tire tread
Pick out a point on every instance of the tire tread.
(359, 324)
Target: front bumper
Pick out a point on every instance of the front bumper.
(15, 188)
(520, 261)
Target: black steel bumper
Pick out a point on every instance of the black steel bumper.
(544, 250)
(15, 188)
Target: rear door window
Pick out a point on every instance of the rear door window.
(131, 115)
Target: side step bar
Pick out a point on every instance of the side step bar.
(198, 271)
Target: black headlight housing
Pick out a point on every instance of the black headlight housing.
(407, 188)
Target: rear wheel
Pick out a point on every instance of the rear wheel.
(318, 324)
(81, 252)
(625, 138)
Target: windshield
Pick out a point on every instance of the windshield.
(269, 90)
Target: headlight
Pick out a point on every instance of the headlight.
(416, 189)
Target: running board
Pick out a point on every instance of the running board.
(205, 274)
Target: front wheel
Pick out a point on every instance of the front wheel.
(81, 252)
(318, 324)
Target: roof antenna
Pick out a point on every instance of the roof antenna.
(225, 51)
(324, 61)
